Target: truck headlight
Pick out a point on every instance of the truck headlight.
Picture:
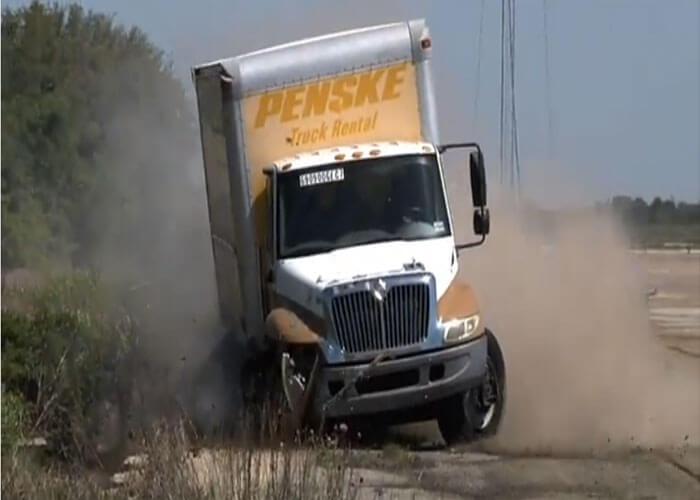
(461, 329)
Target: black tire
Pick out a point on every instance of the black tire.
(263, 411)
(477, 413)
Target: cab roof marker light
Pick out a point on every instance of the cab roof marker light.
(374, 152)
(286, 166)
(357, 154)
(339, 156)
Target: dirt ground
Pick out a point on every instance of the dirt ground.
(464, 474)
(674, 309)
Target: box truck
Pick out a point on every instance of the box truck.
(333, 236)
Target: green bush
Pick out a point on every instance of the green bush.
(87, 106)
(657, 235)
(60, 352)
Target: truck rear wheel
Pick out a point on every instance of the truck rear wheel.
(477, 412)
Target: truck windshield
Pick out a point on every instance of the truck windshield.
(358, 202)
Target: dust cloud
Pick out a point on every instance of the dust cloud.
(585, 372)
(149, 231)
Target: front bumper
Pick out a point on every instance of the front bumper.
(400, 384)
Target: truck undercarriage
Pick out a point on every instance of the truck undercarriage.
(452, 385)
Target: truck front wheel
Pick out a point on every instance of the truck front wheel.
(477, 412)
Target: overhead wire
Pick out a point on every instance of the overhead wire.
(477, 92)
(509, 144)
(548, 82)
(515, 181)
(502, 97)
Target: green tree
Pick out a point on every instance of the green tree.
(91, 111)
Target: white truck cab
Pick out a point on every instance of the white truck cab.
(332, 234)
(360, 211)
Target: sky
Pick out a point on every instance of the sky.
(624, 77)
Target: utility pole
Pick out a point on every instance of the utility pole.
(509, 153)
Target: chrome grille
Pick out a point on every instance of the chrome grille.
(364, 323)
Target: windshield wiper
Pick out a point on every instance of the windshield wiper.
(305, 250)
(422, 237)
(301, 252)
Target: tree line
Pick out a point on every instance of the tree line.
(638, 212)
(101, 171)
(661, 223)
(92, 119)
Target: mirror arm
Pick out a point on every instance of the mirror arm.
(473, 243)
(444, 147)
(470, 245)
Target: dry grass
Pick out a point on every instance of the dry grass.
(315, 469)
(23, 477)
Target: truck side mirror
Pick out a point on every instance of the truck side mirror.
(477, 173)
(482, 221)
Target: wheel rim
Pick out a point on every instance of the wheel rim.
(482, 402)
(293, 383)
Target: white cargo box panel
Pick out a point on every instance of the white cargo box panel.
(365, 85)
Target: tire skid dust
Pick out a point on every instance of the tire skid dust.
(585, 372)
